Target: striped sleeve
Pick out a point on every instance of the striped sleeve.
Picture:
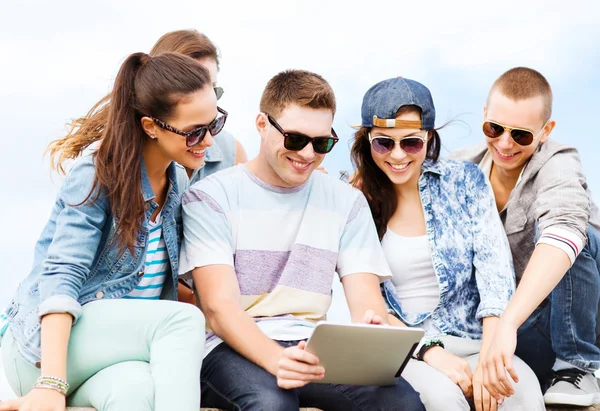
(567, 241)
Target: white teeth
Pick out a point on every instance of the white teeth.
(299, 164)
(504, 154)
(197, 151)
(399, 166)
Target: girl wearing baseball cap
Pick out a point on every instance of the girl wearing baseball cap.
(444, 242)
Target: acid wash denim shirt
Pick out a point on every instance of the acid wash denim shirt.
(75, 261)
(470, 251)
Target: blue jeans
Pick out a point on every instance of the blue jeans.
(564, 327)
(231, 382)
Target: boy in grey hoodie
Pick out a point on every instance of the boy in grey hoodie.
(553, 230)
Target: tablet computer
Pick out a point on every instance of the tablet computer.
(363, 354)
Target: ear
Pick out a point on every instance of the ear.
(262, 124)
(149, 126)
(547, 130)
(484, 111)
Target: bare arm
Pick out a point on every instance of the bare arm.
(363, 294)
(544, 271)
(56, 330)
(55, 333)
(219, 295)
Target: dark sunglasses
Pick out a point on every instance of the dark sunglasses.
(521, 136)
(297, 141)
(409, 144)
(196, 135)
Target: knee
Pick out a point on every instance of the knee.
(450, 397)
(191, 317)
(404, 397)
(131, 394)
(528, 393)
(270, 400)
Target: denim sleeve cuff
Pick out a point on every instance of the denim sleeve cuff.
(58, 304)
(566, 240)
(483, 312)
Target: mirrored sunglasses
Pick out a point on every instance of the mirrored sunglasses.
(521, 136)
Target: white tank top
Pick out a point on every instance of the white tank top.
(414, 278)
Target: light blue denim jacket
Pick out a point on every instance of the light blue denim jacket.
(219, 156)
(74, 261)
(471, 256)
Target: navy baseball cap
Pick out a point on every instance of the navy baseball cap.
(382, 101)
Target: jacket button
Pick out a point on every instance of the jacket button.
(99, 294)
(38, 364)
(141, 274)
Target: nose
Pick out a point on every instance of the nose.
(397, 153)
(307, 153)
(208, 140)
(505, 141)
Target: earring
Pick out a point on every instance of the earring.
(152, 136)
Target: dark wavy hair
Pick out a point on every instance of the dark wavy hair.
(372, 181)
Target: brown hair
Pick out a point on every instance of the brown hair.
(88, 129)
(298, 87)
(145, 86)
(372, 181)
(522, 83)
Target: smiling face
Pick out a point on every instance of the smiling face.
(192, 111)
(401, 168)
(285, 168)
(528, 114)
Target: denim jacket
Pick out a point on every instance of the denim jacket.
(219, 156)
(74, 261)
(470, 252)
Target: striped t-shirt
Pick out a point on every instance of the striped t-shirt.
(156, 267)
(285, 244)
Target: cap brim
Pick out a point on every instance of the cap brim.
(356, 126)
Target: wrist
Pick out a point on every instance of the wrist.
(428, 346)
(432, 353)
(52, 383)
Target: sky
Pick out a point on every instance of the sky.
(60, 57)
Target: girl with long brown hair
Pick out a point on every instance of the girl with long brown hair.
(89, 325)
(451, 265)
(225, 152)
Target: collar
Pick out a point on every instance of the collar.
(213, 154)
(147, 191)
(435, 167)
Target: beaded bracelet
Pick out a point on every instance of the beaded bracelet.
(52, 383)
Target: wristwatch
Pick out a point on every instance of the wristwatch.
(427, 345)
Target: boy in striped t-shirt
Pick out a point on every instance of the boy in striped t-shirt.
(262, 241)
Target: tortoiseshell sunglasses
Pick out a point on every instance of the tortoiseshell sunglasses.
(196, 135)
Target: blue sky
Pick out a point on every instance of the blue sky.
(60, 57)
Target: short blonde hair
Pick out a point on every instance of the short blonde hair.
(522, 83)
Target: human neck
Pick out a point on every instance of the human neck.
(505, 178)
(408, 191)
(156, 164)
